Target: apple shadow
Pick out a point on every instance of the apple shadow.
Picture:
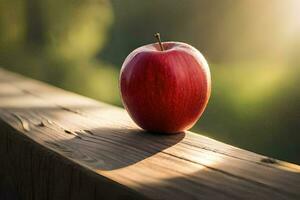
(114, 148)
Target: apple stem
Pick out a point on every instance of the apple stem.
(157, 35)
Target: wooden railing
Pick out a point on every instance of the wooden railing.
(58, 145)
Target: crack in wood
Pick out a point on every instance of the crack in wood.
(269, 160)
(89, 132)
(41, 124)
(72, 133)
(24, 123)
(70, 110)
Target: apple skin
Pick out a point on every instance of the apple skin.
(165, 91)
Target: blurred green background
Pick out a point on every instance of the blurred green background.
(252, 46)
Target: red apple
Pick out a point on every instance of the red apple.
(165, 87)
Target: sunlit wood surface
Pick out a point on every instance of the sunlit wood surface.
(59, 145)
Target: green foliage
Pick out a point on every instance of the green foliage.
(56, 41)
(255, 107)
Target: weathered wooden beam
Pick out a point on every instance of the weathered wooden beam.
(58, 145)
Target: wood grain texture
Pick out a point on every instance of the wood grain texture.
(58, 145)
